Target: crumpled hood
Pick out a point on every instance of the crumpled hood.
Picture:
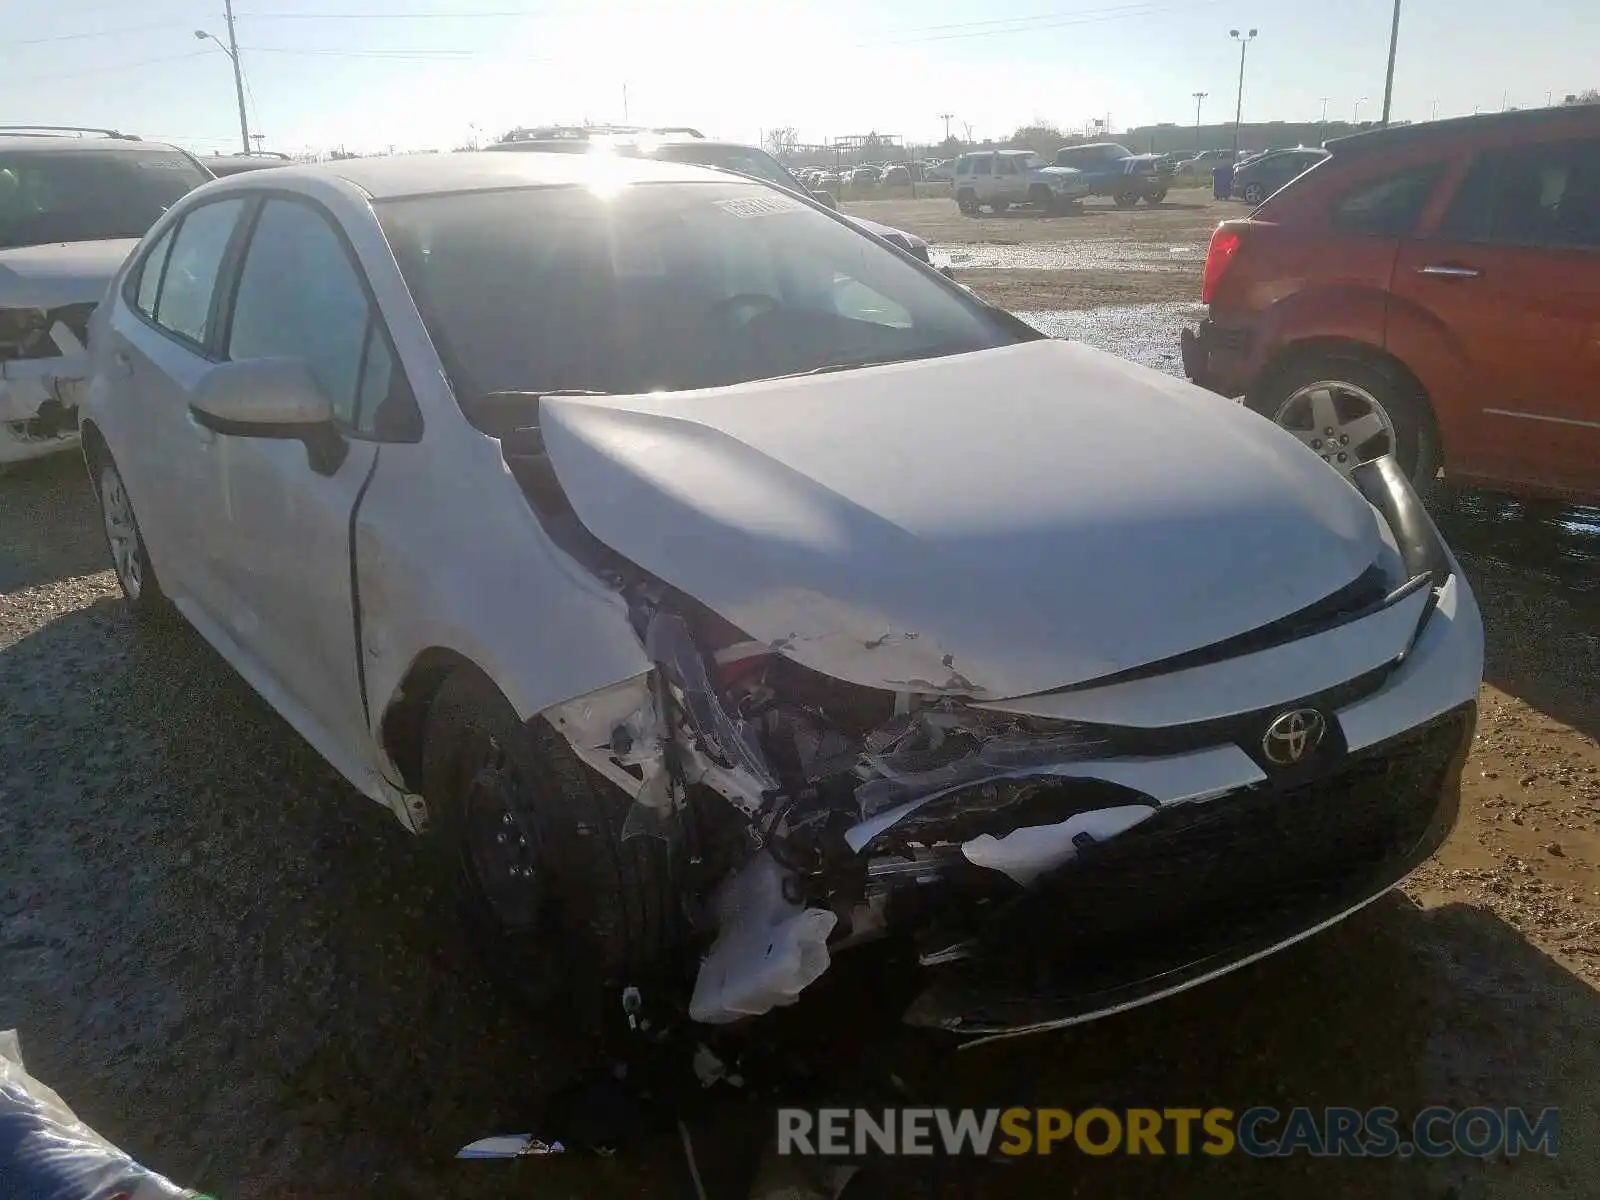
(58, 273)
(990, 524)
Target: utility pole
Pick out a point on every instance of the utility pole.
(1238, 113)
(1198, 97)
(1388, 81)
(947, 118)
(231, 49)
(1355, 116)
(1322, 121)
(624, 104)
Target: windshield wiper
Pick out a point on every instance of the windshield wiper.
(500, 413)
(851, 364)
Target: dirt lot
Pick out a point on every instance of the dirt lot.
(220, 956)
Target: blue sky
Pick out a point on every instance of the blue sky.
(423, 73)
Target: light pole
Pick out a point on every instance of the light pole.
(1238, 113)
(1355, 117)
(1322, 122)
(1388, 79)
(1198, 97)
(231, 49)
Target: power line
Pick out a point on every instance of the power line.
(105, 70)
(95, 33)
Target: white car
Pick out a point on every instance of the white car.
(718, 590)
(71, 208)
(1001, 178)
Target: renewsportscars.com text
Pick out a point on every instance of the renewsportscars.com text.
(1259, 1132)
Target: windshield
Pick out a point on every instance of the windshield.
(1113, 150)
(88, 195)
(663, 286)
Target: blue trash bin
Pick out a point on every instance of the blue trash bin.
(1222, 181)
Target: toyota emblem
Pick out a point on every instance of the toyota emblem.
(1293, 735)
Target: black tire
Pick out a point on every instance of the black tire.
(1416, 435)
(1126, 198)
(130, 558)
(967, 203)
(1254, 193)
(597, 912)
(1043, 199)
(1155, 195)
(999, 206)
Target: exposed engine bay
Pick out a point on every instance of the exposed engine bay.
(42, 365)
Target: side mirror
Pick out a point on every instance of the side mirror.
(825, 199)
(270, 398)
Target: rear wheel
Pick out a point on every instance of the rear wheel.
(530, 842)
(1254, 193)
(967, 202)
(1349, 411)
(130, 560)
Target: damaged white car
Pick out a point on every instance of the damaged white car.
(722, 592)
(71, 208)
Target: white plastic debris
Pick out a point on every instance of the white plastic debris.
(768, 949)
(1026, 853)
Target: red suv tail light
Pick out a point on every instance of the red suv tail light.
(1224, 245)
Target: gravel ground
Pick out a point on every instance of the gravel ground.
(220, 955)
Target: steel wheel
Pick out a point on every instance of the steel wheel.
(500, 852)
(122, 533)
(1340, 421)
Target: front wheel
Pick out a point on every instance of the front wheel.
(1348, 411)
(529, 841)
(1126, 198)
(1040, 197)
(1155, 195)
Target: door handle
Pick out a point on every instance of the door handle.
(1449, 271)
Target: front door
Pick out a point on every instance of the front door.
(283, 535)
(1513, 272)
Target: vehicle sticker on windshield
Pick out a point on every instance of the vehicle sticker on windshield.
(745, 207)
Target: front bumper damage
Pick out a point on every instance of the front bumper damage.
(40, 396)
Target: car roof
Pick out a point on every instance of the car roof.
(1521, 120)
(473, 171)
(52, 143)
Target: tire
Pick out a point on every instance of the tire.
(593, 912)
(1254, 193)
(967, 202)
(1126, 198)
(1286, 396)
(1042, 199)
(130, 559)
(1155, 195)
(999, 206)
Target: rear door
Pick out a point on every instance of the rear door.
(160, 344)
(1512, 274)
(983, 180)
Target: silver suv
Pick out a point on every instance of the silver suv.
(1001, 178)
(72, 206)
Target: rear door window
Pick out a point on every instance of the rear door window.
(1544, 195)
(1008, 165)
(183, 305)
(150, 274)
(983, 166)
(1387, 207)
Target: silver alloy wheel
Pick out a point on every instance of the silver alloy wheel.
(1254, 193)
(1343, 423)
(121, 533)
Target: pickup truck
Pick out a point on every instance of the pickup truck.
(1001, 178)
(1110, 169)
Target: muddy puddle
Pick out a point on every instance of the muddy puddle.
(1097, 255)
(1146, 333)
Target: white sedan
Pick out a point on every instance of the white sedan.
(718, 590)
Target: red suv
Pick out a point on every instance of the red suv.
(1431, 291)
